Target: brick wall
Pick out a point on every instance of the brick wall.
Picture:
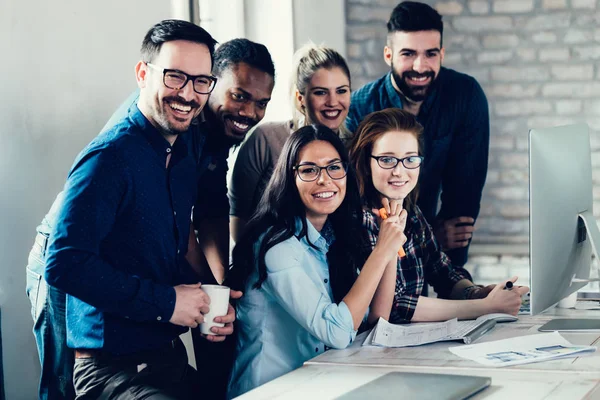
(538, 63)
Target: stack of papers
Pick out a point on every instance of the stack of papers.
(415, 334)
(521, 350)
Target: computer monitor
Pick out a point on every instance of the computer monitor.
(562, 227)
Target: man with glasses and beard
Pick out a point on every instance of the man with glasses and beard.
(245, 79)
(454, 112)
(118, 244)
(171, 100)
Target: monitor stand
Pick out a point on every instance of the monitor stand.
(580, 324)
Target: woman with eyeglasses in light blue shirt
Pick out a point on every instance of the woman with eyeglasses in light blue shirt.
(298, 262)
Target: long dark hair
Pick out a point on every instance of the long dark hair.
(281, 205)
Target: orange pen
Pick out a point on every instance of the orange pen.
(383, 214)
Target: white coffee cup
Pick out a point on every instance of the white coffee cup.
(219, 303)
(568, 302)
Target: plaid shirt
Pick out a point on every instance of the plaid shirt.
(424, 263)
(456, 140)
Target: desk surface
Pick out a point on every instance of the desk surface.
(317, 382)
(336, 372)
(437, 355)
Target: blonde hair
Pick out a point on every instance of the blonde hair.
(307, 61)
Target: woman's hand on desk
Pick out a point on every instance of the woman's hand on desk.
(505, 301)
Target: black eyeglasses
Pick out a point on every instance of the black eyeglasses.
(175, 79)
(389, 162)
(311, 172)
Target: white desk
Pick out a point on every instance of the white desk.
(336, 372)
(316, 382)
(437, 355)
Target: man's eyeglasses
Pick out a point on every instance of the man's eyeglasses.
(175, 79)
(311, 172)
(389, 162)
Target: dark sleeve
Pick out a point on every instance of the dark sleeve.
(404, 306)
(466, 169)
(92, 198)
(212, 199)
(246, 180)
(353, 118)
(439, 271)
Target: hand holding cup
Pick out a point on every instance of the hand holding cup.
(219, 303)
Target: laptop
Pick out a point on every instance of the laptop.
(409, 385)
(571, 325)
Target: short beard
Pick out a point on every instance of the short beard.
(413, 94)
(165, 125)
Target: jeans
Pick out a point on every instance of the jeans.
(49, 329)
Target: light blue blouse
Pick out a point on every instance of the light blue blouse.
(291, 318)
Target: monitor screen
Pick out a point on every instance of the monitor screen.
(560, 206)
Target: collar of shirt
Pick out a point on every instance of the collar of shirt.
(313, 236)
(157, 141)
(396, 98)
(392, 93)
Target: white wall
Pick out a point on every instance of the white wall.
(281, 25)
(271, 22)
(66, 65)
(322, 22)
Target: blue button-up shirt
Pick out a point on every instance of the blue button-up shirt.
(456, 135)
(292, 317)
(120, 236)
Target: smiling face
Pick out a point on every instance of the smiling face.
(172, 110)
(398, 182)
(327, 98)
(324, 195)
(240, 99)
(415, 59)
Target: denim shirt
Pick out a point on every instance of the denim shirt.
(292, 317)
(456, 136)
(47, 224)
(119, 238)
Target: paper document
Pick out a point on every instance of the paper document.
(521, 350)
(391, 335)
